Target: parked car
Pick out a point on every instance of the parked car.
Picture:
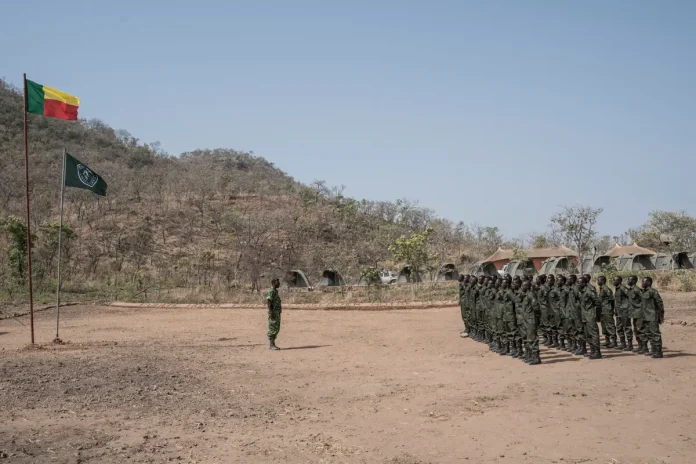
(388, 277)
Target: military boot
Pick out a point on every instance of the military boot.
(556, 341)
(622, 343)
(535, 360)
(607, 342)
(658, 351)
(504, 349)
(582, 349)
(572, 345)
(652, 349)
(544, 340)
(642, 347)
(561, 343)
(515, 350)
(272, 345)
(549, 339)
(596, 353)
(613, 342)
(629, 344)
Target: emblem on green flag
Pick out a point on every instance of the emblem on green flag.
(78, 175)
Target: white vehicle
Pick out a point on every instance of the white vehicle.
(503, 271)
(388, 277)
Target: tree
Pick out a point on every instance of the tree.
(678, 224)
(577, 226)
(413, 250)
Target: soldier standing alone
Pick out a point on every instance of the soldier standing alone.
(274, 310)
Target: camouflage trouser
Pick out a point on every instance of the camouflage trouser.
(511, 333)
(544, 321)
(639, 330)
(554, 323)
(531, 336)
(565, 328)
(500, 329)
(652, 332)
(623, 326)
(608, 326)
(521, 329)
(578, 328)
(592, 334)
(273, 324)
(466, 316)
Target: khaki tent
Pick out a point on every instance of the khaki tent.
(559, 265)
(408, 276)
(296, 279)
(589, 266)
(485, 268)
(331, 278)
(521, 268)
(634, 249)
(635, 262)
(663, 262)
(447, 272)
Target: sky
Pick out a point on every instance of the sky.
(489, 112)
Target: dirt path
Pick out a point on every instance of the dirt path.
(199, 385)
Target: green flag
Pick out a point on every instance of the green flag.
(78, 175)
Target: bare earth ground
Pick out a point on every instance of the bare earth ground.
(400, 386)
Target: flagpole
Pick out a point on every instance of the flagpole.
(60, 248)
(26, 184)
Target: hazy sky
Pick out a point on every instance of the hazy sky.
(494, 112)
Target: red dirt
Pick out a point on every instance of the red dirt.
(397, 386)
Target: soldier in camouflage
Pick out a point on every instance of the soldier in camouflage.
(507, 306)
(623, 318)
(554, 318)
(529, 307)
(498, 317)
(636, 313)
(575, 316)
(463, 304)
(565, 329)
(590, 310)
(653, 316)
(542, 296)
(274, 310)
(606, 303)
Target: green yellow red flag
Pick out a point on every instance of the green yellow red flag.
(51, 102)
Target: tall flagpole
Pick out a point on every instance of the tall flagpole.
(26, 183)
(60, 249)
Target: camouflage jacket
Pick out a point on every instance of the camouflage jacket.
(606, 300)
(635, 302)
(653, 307)
(589, 305)
(621, 302)
(273, 296)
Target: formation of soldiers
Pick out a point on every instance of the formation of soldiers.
(511, 314)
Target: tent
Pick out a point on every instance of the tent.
(521, 268)
(686, 260)
(635, 262)
(331, 278)
(447, 272)
(485, 268)
(589, 266)
(407, 276)
(663, 262)
(634, 249)
(558, 265)
(296, 279)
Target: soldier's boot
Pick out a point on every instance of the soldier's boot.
(629, 344)
(528, 355)
(561, 343)
(554, 341)
(652, 349)
(596, 353)
(496, 345)
(572, 345)
(535, 360)
(547, 339)
(607, 342)
(622, 343)
(658, 351)
(513, 347)
(613, 342)
(582, 349)
(514, 350)
(639, 349)
(544, 339)
(272, 345)
(504, 349)
(576, 345)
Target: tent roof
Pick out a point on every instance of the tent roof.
(506, 253)
(627, 250)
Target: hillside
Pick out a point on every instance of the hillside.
(208, 220)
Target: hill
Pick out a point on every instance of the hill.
(207, 219)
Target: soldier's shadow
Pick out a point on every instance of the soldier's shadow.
(308, 347)
(676, 353)
(559, 359)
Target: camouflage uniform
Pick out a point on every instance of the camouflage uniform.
(565, 327)
(477, 309)
(490, 314)
(589, 307)
(555, 307)
(653, 314)
(521, 329)
(464, 305)
(274, 314)
(509, 321)
(575, 316)
(606, 302)
(623, 318)
(542, 296)
(499, 327)
(635, 300)
(531, 313)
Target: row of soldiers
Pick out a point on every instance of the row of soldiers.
(510, 313)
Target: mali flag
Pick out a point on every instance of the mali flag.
(48, 101)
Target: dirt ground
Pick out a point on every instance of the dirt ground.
(397, 386)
